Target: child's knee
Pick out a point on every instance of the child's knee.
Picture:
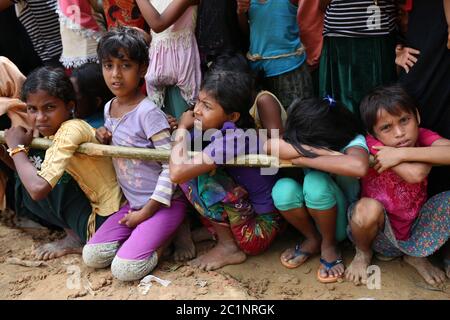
(131, 270)
(318, 191)
(367, 213)
(100, 255)
(287, 194)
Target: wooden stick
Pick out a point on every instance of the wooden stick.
(101, 150)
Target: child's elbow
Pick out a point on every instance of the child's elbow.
(363, 169)
(175, 175)
(415, 177)
(360, 168)
(37, 195)
(412, 179)
(39, 190)
(159, 27)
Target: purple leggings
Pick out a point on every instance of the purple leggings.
(139, 243)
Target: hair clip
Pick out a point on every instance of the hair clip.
(330, 100)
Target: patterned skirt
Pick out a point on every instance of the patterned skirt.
(219, 200)
(430, 231)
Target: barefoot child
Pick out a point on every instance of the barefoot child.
(267, 112)
(393, 217)
(78, 202)
(235, 201)
(324, 137)
(133, 239)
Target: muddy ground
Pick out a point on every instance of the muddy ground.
(260, 277)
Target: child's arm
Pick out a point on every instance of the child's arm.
(447, 16)
(183, 168)
(285, 151)
(134, 218)
(270, 113)
(162, 194)
(160, 22)
(103, 135)
(412, 172)
(389, 157)
(242, 8)
(405, 57)
(354, 163)
(37, 187)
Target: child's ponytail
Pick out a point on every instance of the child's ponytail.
(320, 123)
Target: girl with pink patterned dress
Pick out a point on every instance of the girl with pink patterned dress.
(174, 68)
(394, 217)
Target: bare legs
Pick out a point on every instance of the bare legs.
(367, 219)
(300, 219)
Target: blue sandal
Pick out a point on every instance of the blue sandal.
(297, 253)
(327, 267)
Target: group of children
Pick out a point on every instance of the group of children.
(125, 213)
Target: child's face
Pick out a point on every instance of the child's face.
(396, 131)
(47, 112)
(208, 113)
(122, 76)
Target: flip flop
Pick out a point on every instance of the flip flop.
(327, 266)
(297, 253)
(382, 257)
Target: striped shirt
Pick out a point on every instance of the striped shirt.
(145, 126)
(360, 18)
(41, 22)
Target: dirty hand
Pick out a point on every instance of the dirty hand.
(387, 157)
(187, 120)
(405, 57)
(18, 135)
(103, 135)
(133, 218)
(173, 122)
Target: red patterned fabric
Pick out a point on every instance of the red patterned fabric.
(123, 13)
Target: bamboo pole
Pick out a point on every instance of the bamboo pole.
(100, 150)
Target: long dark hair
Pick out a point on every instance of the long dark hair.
(321, 124)
(233, 91)
(52, 80)
(91, 86)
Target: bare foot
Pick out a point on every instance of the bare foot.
(68, 245)
(330, 254)
(357, 270)
(184, 246)
(430, 273)
(293, 258)
(224, 253)
(202, 234)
